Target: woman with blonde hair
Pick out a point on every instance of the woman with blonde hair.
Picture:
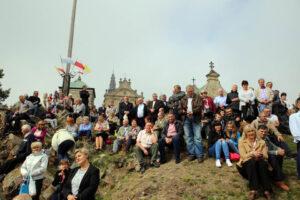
(40, 131)
(253, 164)
(102, 128)
(35, 164)
(45, 100)
(83, 181)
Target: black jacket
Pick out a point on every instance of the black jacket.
(123, 107)
(101, 111)
(214, 137)
(34, 100)
(235, 105)
(84, 95)
(52, 116)
(158, 104)
(135, 114)
(88, 186)
(165, 106)
(178, 127)
(25, 147)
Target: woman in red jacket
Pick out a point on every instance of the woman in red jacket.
(40, 131)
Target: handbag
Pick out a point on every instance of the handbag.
(32, 188)
(25, 185)
(234, 157)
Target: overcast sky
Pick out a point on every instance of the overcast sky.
(154, 43)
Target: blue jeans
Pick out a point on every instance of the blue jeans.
(232, 146)
(35, 109)
(193, 138)
(176, 142)
(262, 107)
(217, 148)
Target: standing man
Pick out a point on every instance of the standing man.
(220, 101)
(165, 103)
(233, 100)
(84, 95)
(125, 109)
(35, 100)
(102, 109)
(153, 107)
(174, 100)
(264, 95)
(295, 130)
(190, 108)
(140, 112)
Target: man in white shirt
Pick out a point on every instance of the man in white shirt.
(140, 112)
(220, 101)
(295, 130)
(271, 117)
(146, 144)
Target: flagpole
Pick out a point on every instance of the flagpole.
(67, 77)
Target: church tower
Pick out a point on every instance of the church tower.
(112, 84)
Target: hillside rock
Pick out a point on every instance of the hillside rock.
(12, 182)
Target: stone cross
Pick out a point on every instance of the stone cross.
(211, 65)
(193, 81)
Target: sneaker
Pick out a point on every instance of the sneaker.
(229, 164)
(155, 164)
(218, 163)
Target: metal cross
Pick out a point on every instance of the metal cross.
(211, 65)
(193, 81)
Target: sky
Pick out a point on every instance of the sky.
(156, 44)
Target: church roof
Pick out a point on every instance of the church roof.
(78, 83)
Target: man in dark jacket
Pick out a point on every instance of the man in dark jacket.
(154, 107)
(174, 100)
(125, 108)
(84, 95)
(190, 108)
(165, 103)
(171, 135)
(233, 100)
(23, 151)
(102, 109)
(35, 100)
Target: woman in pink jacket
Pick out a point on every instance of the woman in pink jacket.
(40, 132)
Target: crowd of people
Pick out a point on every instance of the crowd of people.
(244, 126)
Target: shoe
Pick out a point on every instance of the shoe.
(112, 153)
(177, 161)
(268, 195)
(282, 185)
(218, 163)
(2, 177)
(142, 170)
(155, 164)
(200, 160)
(162, 161)
(229, 164)
(191, 158)
(292, 155)
(251, 195)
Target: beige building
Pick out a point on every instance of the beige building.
(76, 87)
(117, 94)
(213, 84)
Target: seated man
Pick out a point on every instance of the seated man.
(23, 151)
(274, 135)
(35, 100)
(146, 144)
(121, 136)
(171, 135)
(50, 118)
(79, 110)
(275, 159)
(24, 111)
(159, 124)
(271, 117)
(230, 116)
(114, 122)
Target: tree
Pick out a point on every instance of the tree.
(3, 93)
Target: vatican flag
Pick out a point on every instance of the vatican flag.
(87, 69)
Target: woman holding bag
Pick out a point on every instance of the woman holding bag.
(35, 164)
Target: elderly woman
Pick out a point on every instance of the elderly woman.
(40, 131)
(36, 164)
(114, 122)
(132, 135)
(102, 129)
(85, 128)
(83, 181)
(253, 164)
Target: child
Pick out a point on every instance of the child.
(233, 135)
(60, 178)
